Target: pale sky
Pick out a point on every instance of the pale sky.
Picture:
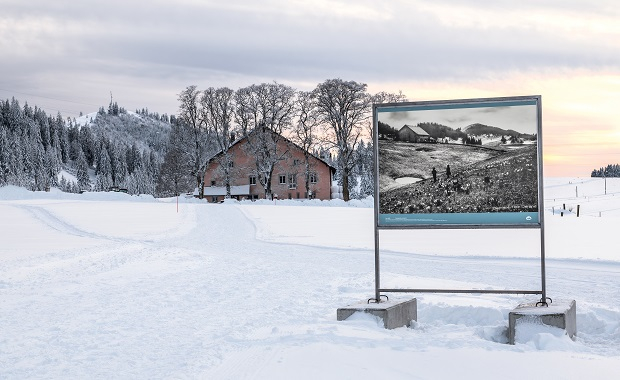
(68, 56)
(522, 118)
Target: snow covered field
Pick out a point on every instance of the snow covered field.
(112, 286)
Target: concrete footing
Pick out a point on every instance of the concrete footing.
(394, 313)
(560, 314)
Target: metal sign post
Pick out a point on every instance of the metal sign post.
(411, 132)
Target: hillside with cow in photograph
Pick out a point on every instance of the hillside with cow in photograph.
(458, 158)
(456, 178)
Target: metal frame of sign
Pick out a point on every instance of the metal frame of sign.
(452, 220)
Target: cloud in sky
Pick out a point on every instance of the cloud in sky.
(68, 55)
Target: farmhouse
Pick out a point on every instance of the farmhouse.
(410, 133)
(288, 178)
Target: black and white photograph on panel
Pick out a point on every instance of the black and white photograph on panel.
(463, 157)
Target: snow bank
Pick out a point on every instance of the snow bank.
(105, 285)
(12, 193)
(532, 332)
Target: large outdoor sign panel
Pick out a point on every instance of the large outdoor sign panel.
(459, 163)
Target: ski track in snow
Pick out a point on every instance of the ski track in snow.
(206, 299)
(134, 302)
(50, 220)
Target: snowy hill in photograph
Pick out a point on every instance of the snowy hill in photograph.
(478, 129)
(108, 285)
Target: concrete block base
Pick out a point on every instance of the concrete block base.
(394, 314)
(560, 314)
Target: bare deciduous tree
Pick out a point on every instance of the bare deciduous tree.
(217, 113)
(305, 131)
(384, 97)
(195, 142)
(264, 113)
(343, 107)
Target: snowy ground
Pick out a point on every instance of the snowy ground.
(113, 286)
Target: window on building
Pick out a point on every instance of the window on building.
(292, 181)
(296, 162)
(313, 178)
(212, 183)
(282, 179)
(252, 180)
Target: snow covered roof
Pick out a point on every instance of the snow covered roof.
(221, 190)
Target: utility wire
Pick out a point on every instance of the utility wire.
(52, 109)
(48, 97)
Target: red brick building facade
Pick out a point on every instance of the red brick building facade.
(288, 179)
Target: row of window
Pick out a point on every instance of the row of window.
(253, 197)
(296, 162)
(283, 179)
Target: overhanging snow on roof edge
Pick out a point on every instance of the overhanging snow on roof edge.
(221, 190)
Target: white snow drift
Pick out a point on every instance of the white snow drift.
(113, 286)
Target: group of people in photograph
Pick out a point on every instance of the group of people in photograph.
(435, 173)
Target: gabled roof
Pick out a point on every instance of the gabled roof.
(239, 140)
(414, 128)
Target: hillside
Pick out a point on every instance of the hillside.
(440, 131)
(407, 160)
(478, 129)
(482, 180)
(130, 128)
(121, 149)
